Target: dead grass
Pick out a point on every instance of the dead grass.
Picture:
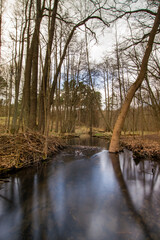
(24, 149)
(146, 146)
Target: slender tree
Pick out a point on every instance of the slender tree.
(1, 12)
(114, 145)
(18, 63)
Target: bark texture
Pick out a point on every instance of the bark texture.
(114, 145)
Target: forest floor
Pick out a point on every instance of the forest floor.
(25, 149)
(143, 146)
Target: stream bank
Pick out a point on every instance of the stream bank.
(147, 146)
(25, 149)
(83, 192)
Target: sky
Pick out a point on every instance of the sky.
(6, 27)
(106, 42)
(104, 47)
(106, 39)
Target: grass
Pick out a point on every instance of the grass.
(138, 133)
(82, 130)
(2, 120)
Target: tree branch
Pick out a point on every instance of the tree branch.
(131, 12)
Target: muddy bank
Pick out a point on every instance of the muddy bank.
(25, 149)
(142, 147)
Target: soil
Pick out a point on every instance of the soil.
(25, 149)
(143, 146)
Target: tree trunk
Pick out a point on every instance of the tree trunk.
(81, 23)
(33, 106)
(31, 67)
(114, 145)
(27, 75)
(10, 98)
(0, 27)
(18, 72)
(118, 68)
(46, 69)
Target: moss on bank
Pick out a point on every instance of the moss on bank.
(25, 149)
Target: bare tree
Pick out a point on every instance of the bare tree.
(114, 145)
(18, 62)
(1, 7)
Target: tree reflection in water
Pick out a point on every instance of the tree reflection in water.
(124, 189)
(104, 197)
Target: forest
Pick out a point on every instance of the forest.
(51, 82)
(80, 119)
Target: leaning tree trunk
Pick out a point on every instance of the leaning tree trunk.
(114, 145)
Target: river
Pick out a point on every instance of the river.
(83, 193)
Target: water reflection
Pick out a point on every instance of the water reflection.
(124, 189)
(103, 197)
(87, 140)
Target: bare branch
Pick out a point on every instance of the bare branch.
(124, 13)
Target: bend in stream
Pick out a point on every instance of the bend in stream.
(84, 194)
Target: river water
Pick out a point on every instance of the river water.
(83, 193)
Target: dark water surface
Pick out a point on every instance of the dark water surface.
(85, 193)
